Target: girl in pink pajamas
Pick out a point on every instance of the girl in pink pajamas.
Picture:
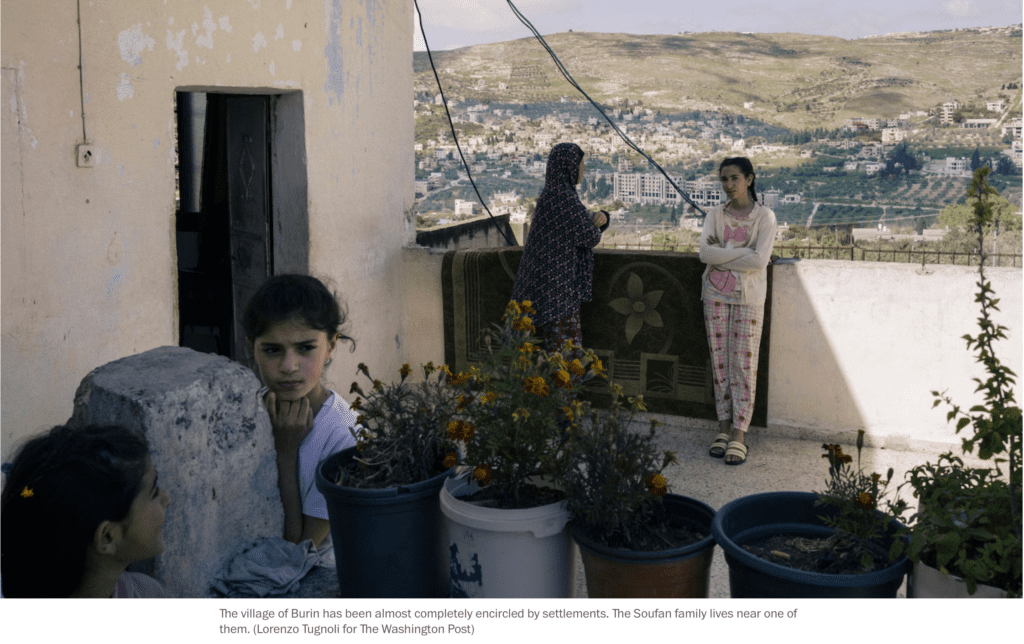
(736, 245)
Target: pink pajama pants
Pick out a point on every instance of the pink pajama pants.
(734, 337)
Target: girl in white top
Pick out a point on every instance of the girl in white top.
(292, 324)
(79, 505)
(736, 244)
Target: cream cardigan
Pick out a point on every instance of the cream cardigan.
(748, 260)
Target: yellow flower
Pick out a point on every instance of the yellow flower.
(562, 379)
(657, 484)
(405, 371)
(463, 402)
(520, 414)
(513, 310)
(597, 367)
(451, 459)
(536, 385)
(460, 379)
(360, 419)
(865, 501)
(27, 493)
(526, 348)
(454, 430)
(576, 367)
(527, 306)
(377, 385)
(482, 473)
(489, 397)
(568, 412)
(356, 404)
(523, 324)
(428, 368)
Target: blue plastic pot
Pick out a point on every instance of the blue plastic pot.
(388, 542)
(750, 519)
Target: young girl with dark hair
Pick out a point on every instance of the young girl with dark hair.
(736, 244)
(557, 268)
(293, 325)
(78, 506)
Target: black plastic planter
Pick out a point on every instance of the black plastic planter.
(387, 542)
(752, 518)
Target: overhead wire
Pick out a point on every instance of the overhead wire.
(451, 124)
(568, 77)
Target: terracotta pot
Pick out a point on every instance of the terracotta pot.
(679, 572)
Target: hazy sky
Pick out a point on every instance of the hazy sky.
(459, 23)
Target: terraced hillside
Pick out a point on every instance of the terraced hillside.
(793, 80)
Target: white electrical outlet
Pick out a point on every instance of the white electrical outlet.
(86, 155)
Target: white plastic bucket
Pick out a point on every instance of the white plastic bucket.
(507, 553)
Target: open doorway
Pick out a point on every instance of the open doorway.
(241, 214)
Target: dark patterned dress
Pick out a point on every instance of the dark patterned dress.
(557, 269)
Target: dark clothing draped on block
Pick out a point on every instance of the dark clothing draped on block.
(557, 268)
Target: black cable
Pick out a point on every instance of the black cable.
(444, 100)
(622, 135)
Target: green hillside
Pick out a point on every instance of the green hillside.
(793, 80)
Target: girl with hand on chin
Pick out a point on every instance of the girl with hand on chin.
(292, 324)
(736, 244)
(79, 505)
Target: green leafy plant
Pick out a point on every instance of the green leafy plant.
(517, 407)
(856, 498)
(968, 522)
(612, 476)
(403, 440)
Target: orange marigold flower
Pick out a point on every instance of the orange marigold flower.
(562, 379)
(523, 324)
(875, 478)
(377, 385)
(362, 367)
(520, 414)
(568, 412)
(597, 367)
(536, 385)
(865, 500)
(527, 306)
(468, 430)
(451, 459)
(464, 402)
(360, 419)
(576, 367)
(483, 474)
(489, 397)
(356, 404)
(454, 430)
(428, 368)
(527, 348)
(405, 370)
(27, 493)
(460, 378)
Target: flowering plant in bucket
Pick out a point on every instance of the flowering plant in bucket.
(517, 407)
(403, 438)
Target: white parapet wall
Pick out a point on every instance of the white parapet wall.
(862, 345)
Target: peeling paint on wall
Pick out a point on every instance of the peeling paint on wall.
(175, 43)
(131, 43)
(225, 24)
(210, 26)
(332, 51)
(271, 68)
(124, 88)
(279, 34)
(258, 42)
(296, 45)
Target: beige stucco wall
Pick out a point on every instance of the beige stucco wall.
(88, 255)
(861, 345)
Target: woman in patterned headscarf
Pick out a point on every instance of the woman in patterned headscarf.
(557, 268)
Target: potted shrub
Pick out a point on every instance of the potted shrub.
(965, 539)
(636, 539)
(382, 494)
(507, 522)
(836, 543)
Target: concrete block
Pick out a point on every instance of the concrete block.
(211, 445)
